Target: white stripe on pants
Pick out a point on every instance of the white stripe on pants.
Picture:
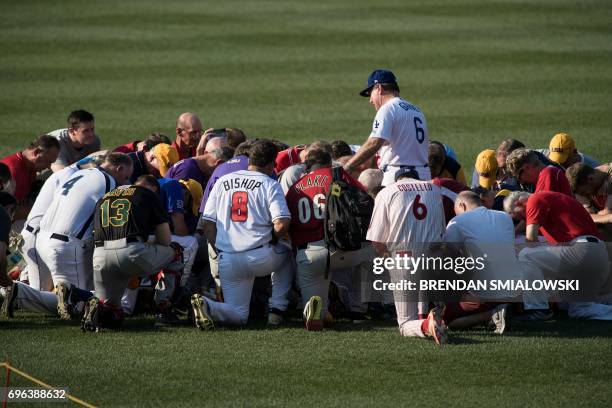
(238, 272)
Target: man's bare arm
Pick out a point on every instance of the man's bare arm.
(366, 151)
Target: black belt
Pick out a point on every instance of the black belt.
(303, 246)
(29, 229)
(128, 240)
(60, 237)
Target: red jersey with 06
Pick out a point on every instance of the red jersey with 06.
(244, 205)
(561, 218)
(306, 202)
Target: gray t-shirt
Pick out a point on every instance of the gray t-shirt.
(68, 154)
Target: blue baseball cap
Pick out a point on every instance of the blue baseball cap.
(380, 76)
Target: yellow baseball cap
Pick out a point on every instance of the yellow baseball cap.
(166, 156)
(486, 167)
(196, 191)
(561, 146)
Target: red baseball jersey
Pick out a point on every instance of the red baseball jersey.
(288, 157)
(561, 218)
(23, 174)
(306, 202)
(127, 148)
(553, 179)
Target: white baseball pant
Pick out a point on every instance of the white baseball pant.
(70, 261)
(406, 309)
(238, 272)
(38, 273)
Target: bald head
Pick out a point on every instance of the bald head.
(188, 129)
(467, 201)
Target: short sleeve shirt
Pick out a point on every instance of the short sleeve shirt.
(128, 212)
(306, 202)
(68, 154)
(553, 179)
(561, 218)
(171, 193)
(186, 169)
(403, 127)
(22, 173)
(287, 158)
(244, 205)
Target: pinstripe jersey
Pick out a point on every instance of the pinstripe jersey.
(406, 212)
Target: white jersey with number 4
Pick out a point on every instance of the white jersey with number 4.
(408, 211)
(45, 196)
(244, 204)
(402, 125)
(74, 202)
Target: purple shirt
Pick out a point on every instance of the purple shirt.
(186, 169)
(230, 166)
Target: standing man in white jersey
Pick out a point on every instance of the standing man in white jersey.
(246, 220)
(64, 242)
(407, 216)
(399, 132)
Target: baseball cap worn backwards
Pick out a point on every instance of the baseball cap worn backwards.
(166, 156)
(486, 167)
(561, 146)
(380, 76)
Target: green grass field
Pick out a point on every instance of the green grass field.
(482, 71)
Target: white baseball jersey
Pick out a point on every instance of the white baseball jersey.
(72, 209)
(45, 196)
(402, 125)
(244, 204)
(408, 211)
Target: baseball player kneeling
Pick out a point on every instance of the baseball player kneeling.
(244, 217)
(123, 221)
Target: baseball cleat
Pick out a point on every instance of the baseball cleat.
(313, 314)
(91, 318)
(499, 318)
(202, 319)
(62, 291)
(8, 306)
(436, 329)
(275, 318)
(166, 319)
